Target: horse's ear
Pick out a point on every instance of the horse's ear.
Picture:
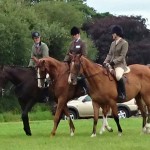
(79, 55)
(35, 59)
(42, 62)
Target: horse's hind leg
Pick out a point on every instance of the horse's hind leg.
(25, 109)
(116, 118)
(142, 107)
(72, 128)
(105, 124)
(147, 126)
(95, 120)
(146, 99)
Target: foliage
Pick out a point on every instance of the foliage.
(9, 103)
(135, 32)
(18, 20)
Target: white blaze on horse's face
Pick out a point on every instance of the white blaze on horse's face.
(69, 79)
(39, 78)
(72, 78)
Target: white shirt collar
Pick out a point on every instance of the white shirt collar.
(77, 40)
(118, 40)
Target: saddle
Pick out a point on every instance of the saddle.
(110, 72)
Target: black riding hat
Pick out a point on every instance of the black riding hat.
(118, 30)
(74, 31)
(35, 34)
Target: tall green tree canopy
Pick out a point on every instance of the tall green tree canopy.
(53, 19)
(135, 31)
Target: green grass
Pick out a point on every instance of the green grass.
(12, 136)
(39, 115)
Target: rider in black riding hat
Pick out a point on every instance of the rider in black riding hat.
(77, 46)
(39, 50)
(116, 58)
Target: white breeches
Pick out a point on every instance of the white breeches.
(119, 73)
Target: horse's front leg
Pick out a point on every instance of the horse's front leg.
(25, 109)
(95, 120)
(72, 128)
(57, 116)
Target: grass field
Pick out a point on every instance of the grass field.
(12, 136)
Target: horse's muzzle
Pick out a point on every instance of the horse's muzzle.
(72, 80)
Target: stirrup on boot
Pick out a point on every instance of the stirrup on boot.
(121, 96)
(121, 90)
(85, 91)
(82, 82)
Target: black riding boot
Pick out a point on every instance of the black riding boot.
(121, 90)
(82, 82)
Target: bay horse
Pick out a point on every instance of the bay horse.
(103, 88)
(27, 91)
(58, 72)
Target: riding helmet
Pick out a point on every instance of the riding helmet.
(74, 31)
(35, 34)
(118, 30)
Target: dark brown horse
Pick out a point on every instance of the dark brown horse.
(103, 89)
(25, 84)
(28, 93)
(59, 72)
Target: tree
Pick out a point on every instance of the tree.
(135, 32)
(18, 20)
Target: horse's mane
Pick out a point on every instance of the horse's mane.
(91, 61)
(54, 62)
(21, 68)
(50, 59)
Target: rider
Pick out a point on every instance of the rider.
(39, 50)
(77, 46)
(116, 58)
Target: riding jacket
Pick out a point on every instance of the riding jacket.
(117, 54)
(76, 47)
(39, 51)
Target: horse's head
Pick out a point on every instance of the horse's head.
(75, 68)
(40, 66)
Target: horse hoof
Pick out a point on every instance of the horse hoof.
(93, 135)
(119, 134)
(72, 134)
(52, 134)
(109, 129)
(101, 132)
(144, 130)
(28, 132)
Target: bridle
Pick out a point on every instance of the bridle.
(80, 65)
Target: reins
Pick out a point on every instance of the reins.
(90, 75)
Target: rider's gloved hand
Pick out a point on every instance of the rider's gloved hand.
(106, 65)
(112, 63)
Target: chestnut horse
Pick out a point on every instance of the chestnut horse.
(103, 88)
(58, 73)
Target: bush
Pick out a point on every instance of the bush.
(9, 103)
